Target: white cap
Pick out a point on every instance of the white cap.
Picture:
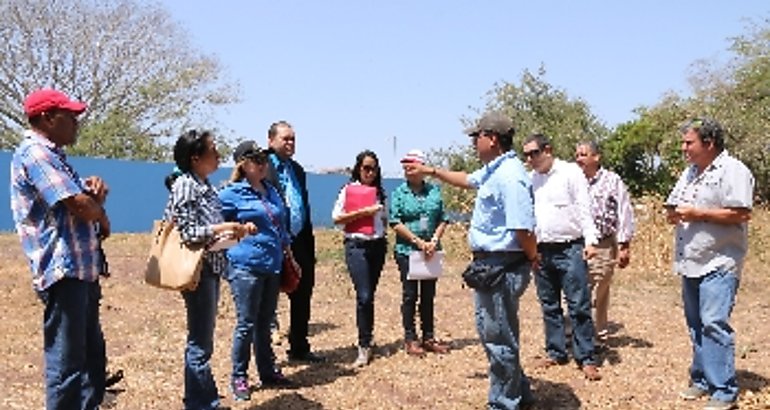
(414, 155)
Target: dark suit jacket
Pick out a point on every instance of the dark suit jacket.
(304, 242)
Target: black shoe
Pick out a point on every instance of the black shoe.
(277, 379)
(113, 378)
(308, 357)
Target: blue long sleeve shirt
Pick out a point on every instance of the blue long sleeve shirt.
(261, 253)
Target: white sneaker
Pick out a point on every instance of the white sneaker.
(364, 357)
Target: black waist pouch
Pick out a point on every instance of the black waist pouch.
(480, 275)
(483, 275)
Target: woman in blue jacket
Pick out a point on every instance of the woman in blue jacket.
(255, 266)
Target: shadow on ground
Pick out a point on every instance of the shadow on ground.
(609, 351)
(289, 401)
(751, 381)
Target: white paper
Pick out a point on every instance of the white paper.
(419, 268)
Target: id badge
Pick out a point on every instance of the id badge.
(424, 223)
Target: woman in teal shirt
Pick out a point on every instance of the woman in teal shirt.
(417, 217)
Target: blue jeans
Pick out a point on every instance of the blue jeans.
(708, 303)
(255, 295)
(74, 348)
(200, 390)
(365, 260)
(562, 269)
(497, 322)
(425, 290)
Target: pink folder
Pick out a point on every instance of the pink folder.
(357, 197)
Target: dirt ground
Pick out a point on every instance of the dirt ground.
(644, 364)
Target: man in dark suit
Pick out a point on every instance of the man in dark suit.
(290, 178)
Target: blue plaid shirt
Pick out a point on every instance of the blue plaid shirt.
(57, 244)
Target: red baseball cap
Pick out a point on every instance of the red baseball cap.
(43, 100)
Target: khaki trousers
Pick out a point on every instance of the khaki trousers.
(600, 270)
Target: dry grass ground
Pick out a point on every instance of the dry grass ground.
(644, 366)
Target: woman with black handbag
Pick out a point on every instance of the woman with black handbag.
(256, 264)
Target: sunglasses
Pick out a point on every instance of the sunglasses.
(369, 168)
(257, 158)
(532, 153)
(475, 136)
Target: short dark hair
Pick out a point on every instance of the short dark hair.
(505, 140)
(708, 129)
(273, 130)
(188, 145)
(592, 145)
(541, 140)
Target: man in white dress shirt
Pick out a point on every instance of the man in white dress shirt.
(566, 237)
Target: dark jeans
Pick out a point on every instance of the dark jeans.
(497, 322)
(255, 295)
(562, 269)
(410, 291)
(200, 390)
(365, 260)
(303, 248)
(75, 357)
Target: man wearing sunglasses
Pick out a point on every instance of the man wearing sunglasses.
(566, 237)
(290, 178)
(502, 240)
(710, 207)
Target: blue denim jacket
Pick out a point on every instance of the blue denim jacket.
(263, 251)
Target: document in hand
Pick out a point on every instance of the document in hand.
(421, 268)
(357, 197)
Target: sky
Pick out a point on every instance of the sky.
(354, 75)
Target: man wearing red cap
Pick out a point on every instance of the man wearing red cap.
(60, 220)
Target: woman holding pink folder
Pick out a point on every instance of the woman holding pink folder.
(360, 208)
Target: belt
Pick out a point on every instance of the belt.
(480, 255)
(560, 245)
(607, 237)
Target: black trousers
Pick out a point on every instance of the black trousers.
(303, 248)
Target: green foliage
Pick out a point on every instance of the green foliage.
(456, 159)
(127, 59)
(646, 151)
(535, 106)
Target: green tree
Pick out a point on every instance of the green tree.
(128, 60)
(535, 106)
(646, 151)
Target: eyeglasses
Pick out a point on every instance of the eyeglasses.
(532, 153)
(368, 168)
